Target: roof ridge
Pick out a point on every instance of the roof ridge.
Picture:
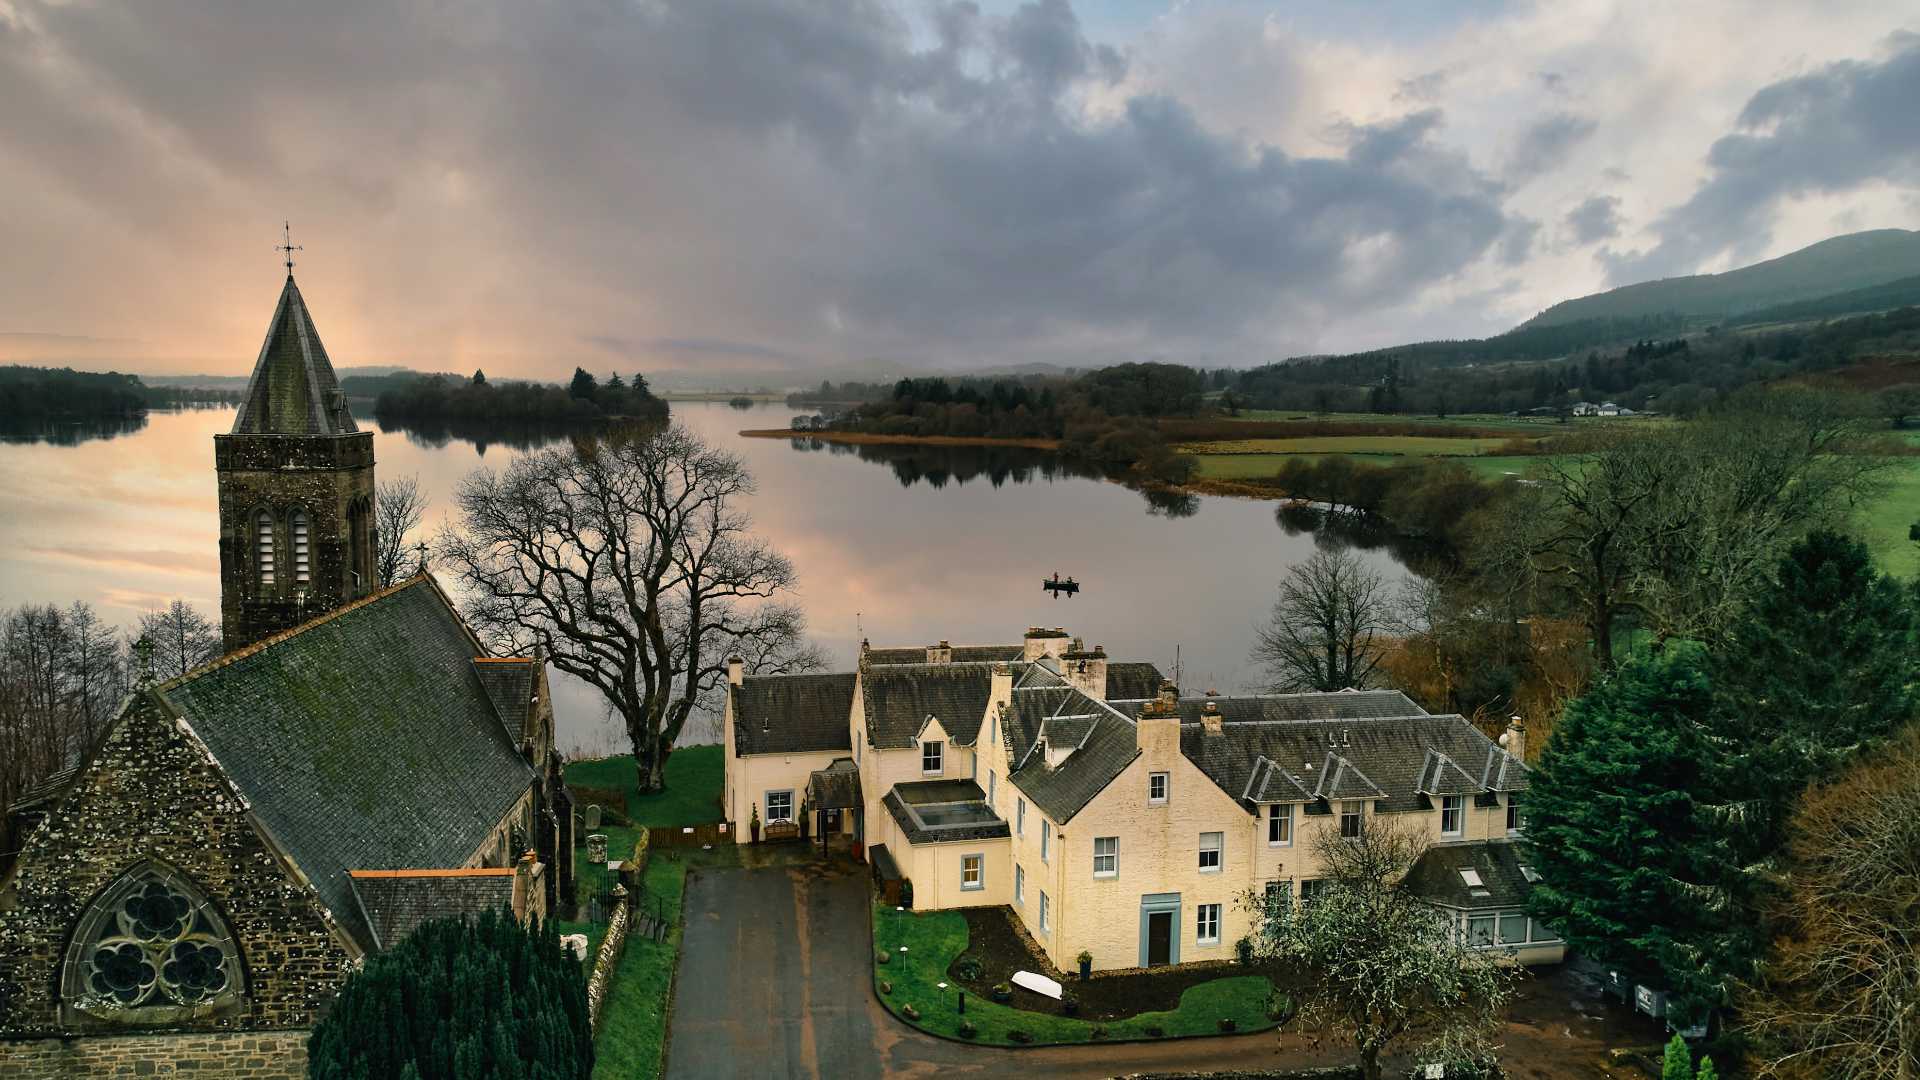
(1327, 719)
(245, 651)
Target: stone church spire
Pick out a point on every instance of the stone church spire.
(296, 488)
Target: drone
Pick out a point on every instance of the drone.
(1056, 585)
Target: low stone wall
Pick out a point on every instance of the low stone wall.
(1334, 1072)
(241, 1055)
(600, 982)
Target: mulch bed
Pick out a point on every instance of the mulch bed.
(1001, 951)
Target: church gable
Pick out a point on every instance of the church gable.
(151, 877)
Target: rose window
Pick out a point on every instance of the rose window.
(152, 949)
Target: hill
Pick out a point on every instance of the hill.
(1894, 294)
(1855, 261)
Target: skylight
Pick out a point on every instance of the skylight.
(1472, 878)
(1529, 873)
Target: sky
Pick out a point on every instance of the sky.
(724, 186)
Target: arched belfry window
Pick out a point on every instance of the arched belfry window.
(302, 548)
(152, 950)
(263, 546)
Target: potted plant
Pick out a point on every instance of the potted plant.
(1086, 965)
(1002, 992)
(1243, 951)
(753, 826)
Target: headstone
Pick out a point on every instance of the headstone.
(593, 816)
(577, 943)
(597, 849)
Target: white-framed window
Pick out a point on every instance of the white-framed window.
(1280, 824)
(1480, 929)
(779, 806)
(1352, 814)
(1513, 928)
(1046, 839)
(1157, 788)
(1106, 856)
(1516, 817)
(1019, 816)
(1046, 914)
(1453, 815)
(1539, 931)
(302, 548)
(933, 757)
(992, 786)
(973, 872)
(1207, 924)
(1310, 889)
(263, 546)
(1019, 884)
(1210, 844)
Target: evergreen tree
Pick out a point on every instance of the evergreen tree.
(479, 377)
(615, 383)
(459, 999)
(1678, 1062)
(1706, 1070)
(1633, 865)
(583, 385)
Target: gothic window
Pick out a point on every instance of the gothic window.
(302, 549)
(152, 950)
(263, 546)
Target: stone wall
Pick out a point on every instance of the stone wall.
(153, 795)
(331, 478)
(252, 1055)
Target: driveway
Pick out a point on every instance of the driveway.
(773, 983)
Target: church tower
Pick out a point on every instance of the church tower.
(296, 488)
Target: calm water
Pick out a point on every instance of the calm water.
(905, 545)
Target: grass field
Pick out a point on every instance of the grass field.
(934, 939)
(1398, 445)
(1261, 466)
(1883, 525)
(693, 786)
(1478, 420)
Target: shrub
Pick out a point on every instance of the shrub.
(1227, 1023)
(1279, 1007)
(967, 968)
(909, 1011)
(1019, 1036)
(488, 990)
(1154, 1031)
(967, 1030)
(1069, 1005)
(1243, 950)
(1099, 1033)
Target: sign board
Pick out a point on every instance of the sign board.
(1650, 1001)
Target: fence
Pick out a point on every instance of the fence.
(686, 836)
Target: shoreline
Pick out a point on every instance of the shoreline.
(868, 438)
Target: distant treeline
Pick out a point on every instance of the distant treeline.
(450, 398)
(1675, 375)
(36, 393)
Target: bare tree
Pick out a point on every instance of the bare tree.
(182, 639)
(62, 676)
(1382, 963)
(398, 506)
(1326, 629)
(1840, 994)
(630, 563)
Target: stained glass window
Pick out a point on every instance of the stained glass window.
(152, 949)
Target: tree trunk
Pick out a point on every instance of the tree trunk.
(1370, 1062)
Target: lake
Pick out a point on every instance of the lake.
(905, 545)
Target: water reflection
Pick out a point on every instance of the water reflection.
(482, 434)
(1340, 531)
(67, 432)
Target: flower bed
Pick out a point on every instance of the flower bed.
(933, 940)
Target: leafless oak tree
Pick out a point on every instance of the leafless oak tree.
(62, 676)
(398, 506)
(182, 639)
(629, 561)
(1326, 629)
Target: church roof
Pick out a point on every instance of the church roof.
(397, 901)
(363, 740)
(293, 390)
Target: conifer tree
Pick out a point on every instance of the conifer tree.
(1678, 1062)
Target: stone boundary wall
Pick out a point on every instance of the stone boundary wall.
(1332, 1072)
(241, 1055)
(600, 983)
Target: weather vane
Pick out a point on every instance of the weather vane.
(287, 245)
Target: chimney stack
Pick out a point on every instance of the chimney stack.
(1514, 740)
(1210, 716)
(736, 669)
(941, 653)
(1157, 731)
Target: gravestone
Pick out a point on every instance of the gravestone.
(577, 944)
(593, 816)
(597, 849)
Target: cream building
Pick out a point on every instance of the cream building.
(1112, 816)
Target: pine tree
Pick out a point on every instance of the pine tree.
(583, 385)
(1706, 1070)
(1678, 1064)
(1633, 867)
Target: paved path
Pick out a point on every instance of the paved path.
(773, 983)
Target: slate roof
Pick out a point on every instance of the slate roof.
(293, 390)
(1497, 863)
(793, 714)
(395, 901)
(962, 654)
(363, 740)
(1368, 757)
(1341, 705)
(836, 787)
(1131, 681)
(1105, 737)
(940, 791)
(898, 698)
(509, 685)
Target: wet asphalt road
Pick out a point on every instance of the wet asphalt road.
(773, 983)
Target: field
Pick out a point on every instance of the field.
(1883, 524)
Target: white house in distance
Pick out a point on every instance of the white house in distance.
(1111, 815)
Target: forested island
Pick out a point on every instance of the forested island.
(38, 394)
(408, 396)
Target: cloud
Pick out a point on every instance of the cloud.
(1544, 145)
(1596, 219)
(1834, 130)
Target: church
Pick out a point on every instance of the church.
(194, 893)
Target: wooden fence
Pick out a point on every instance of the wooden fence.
(686, 836)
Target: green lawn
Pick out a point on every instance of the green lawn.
(935, 938)
(1479, 420)
(692, 796)
(1883, 523)
(1408, 445)
(633, 1033)
(1263, 466)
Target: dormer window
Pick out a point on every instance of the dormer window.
(302, 554)
(1280, 824)
(1453, 815)
(263, 546)
(1352, 815)
(933, 757)
(1516, 820)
